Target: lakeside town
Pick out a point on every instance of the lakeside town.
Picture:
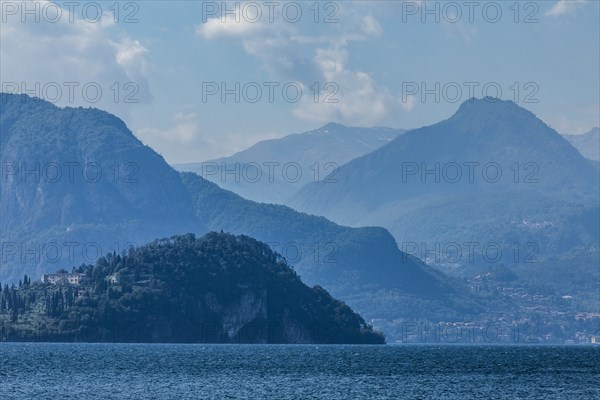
(522, 316)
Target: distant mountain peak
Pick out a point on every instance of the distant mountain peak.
(488, 103)
(491, 114)
(15, 100)
(594, 131)
(19, 103)
(587, 143)
(331, 126)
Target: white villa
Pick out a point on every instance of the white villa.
(62, 277)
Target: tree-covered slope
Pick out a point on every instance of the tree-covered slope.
(76, 184)
(345, 259)
(218, 288)
(66, 166)
(47, 225)
(361, 265)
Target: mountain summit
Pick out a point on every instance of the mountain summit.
(492, 172)
(272, 170)
(64, 169)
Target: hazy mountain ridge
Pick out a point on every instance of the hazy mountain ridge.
(588, 144)
(546, 194)
(270, 171)
(161, 203)
(112, 172)
(75, 181)
(334, 255)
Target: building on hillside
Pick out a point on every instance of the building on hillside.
(62, 278)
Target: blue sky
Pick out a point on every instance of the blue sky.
(373, 58)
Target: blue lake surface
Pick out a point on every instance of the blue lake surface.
(199, 371)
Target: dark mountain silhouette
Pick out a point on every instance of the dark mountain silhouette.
(218, 288)
(49, 223)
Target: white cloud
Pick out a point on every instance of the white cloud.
(270, 41)
(188, 141)
(131, 55)
(314, 58)
(238, 21)
(72, 49)
(352, 96)
(370, 26)
(409, 103)
(215, 27)
(185, 129)
(564, 6)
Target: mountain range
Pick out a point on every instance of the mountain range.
(491, 184)
(96, 189)
(76, 184)
(272, 170)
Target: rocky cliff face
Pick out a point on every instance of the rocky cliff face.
(251, 306)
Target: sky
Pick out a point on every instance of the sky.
(200, 80)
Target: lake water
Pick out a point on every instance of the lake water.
(164, 371)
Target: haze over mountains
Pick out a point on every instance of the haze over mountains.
(76, 184)
(588, 144)
(272, 170)
(124, 192)
(493, 174)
